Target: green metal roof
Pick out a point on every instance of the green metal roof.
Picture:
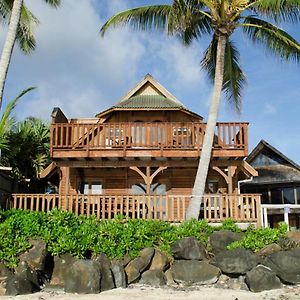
(149, 102)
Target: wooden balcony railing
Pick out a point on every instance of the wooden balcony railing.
(157, 135)
(172, 208)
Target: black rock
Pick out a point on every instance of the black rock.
(138, 265)
(236, 262)
(194, 271)
(286, 265)
(19, 285)
(188, 248)
(261, 279)
(119, 274)
(219, 240)
(61, 268)
(84, 277)
(154, 278)
(37, 255)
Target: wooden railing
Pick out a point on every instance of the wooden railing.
(241, 208)
(214, 208)
(78, 136)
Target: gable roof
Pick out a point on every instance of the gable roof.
(278, 169)
(263, 144)
(148, 94)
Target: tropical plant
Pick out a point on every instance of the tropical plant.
(20, 27)
(28, 151)
(7, 121)
(190, 20)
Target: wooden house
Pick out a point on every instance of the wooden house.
(140, 156)
(278, 182)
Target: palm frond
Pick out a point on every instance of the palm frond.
(188, 21)
(141, 18)
(234, 78)
(279, 10)
(6, 121)
(54, 3)
(27, 25)
(275, 39)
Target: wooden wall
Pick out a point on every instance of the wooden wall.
(153, 116)
(118, 181)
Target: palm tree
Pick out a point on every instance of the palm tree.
(190, 20)
(28, 151)
(21, 23)
(6, 121)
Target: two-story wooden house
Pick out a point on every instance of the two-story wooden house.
(140, 157)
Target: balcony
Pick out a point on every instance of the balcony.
(215, 208)
(141, 139)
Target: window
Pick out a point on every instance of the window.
(298, 194)
(155, 189)
(288, 195)
(276, 196)
(90, 188)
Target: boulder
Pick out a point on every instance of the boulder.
(37, 255)
(169, 277)
(269, 249)
(160, 261)
(4, 271)
(236, 262)
(154, 278)
(286, 265)
(138, 265)
(61, 269)
(287, 243)
(19, 285)
(188, 248)
(107, 279)
(194, 272)
(262, 278)
(84, 277)
(24, 271)
(119, 274)
(219, 240)
(294, 236)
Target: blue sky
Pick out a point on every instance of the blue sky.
(73, 68)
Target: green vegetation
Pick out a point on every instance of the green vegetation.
(83, 236)
(256, 239)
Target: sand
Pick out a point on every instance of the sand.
(150, 293)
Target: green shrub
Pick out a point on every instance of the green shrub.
(83, 236)
(256, 239)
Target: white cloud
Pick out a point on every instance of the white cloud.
(270, 109)
(83, 74)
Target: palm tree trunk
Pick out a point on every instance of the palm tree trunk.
(200, 180)
(9, 44)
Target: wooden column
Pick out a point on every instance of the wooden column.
(148, 178)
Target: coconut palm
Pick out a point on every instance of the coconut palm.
(20, 27)
(190, 20)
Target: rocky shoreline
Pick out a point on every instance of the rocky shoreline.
(192, 266)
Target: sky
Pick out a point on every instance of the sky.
(75, 69)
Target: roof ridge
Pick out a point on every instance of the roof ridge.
(268, 145)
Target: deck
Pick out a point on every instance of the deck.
(141, 139)
(215, 208)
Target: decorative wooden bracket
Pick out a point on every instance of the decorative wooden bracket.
(148, 178)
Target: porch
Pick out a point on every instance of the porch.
(215, 208)
(144, 139)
